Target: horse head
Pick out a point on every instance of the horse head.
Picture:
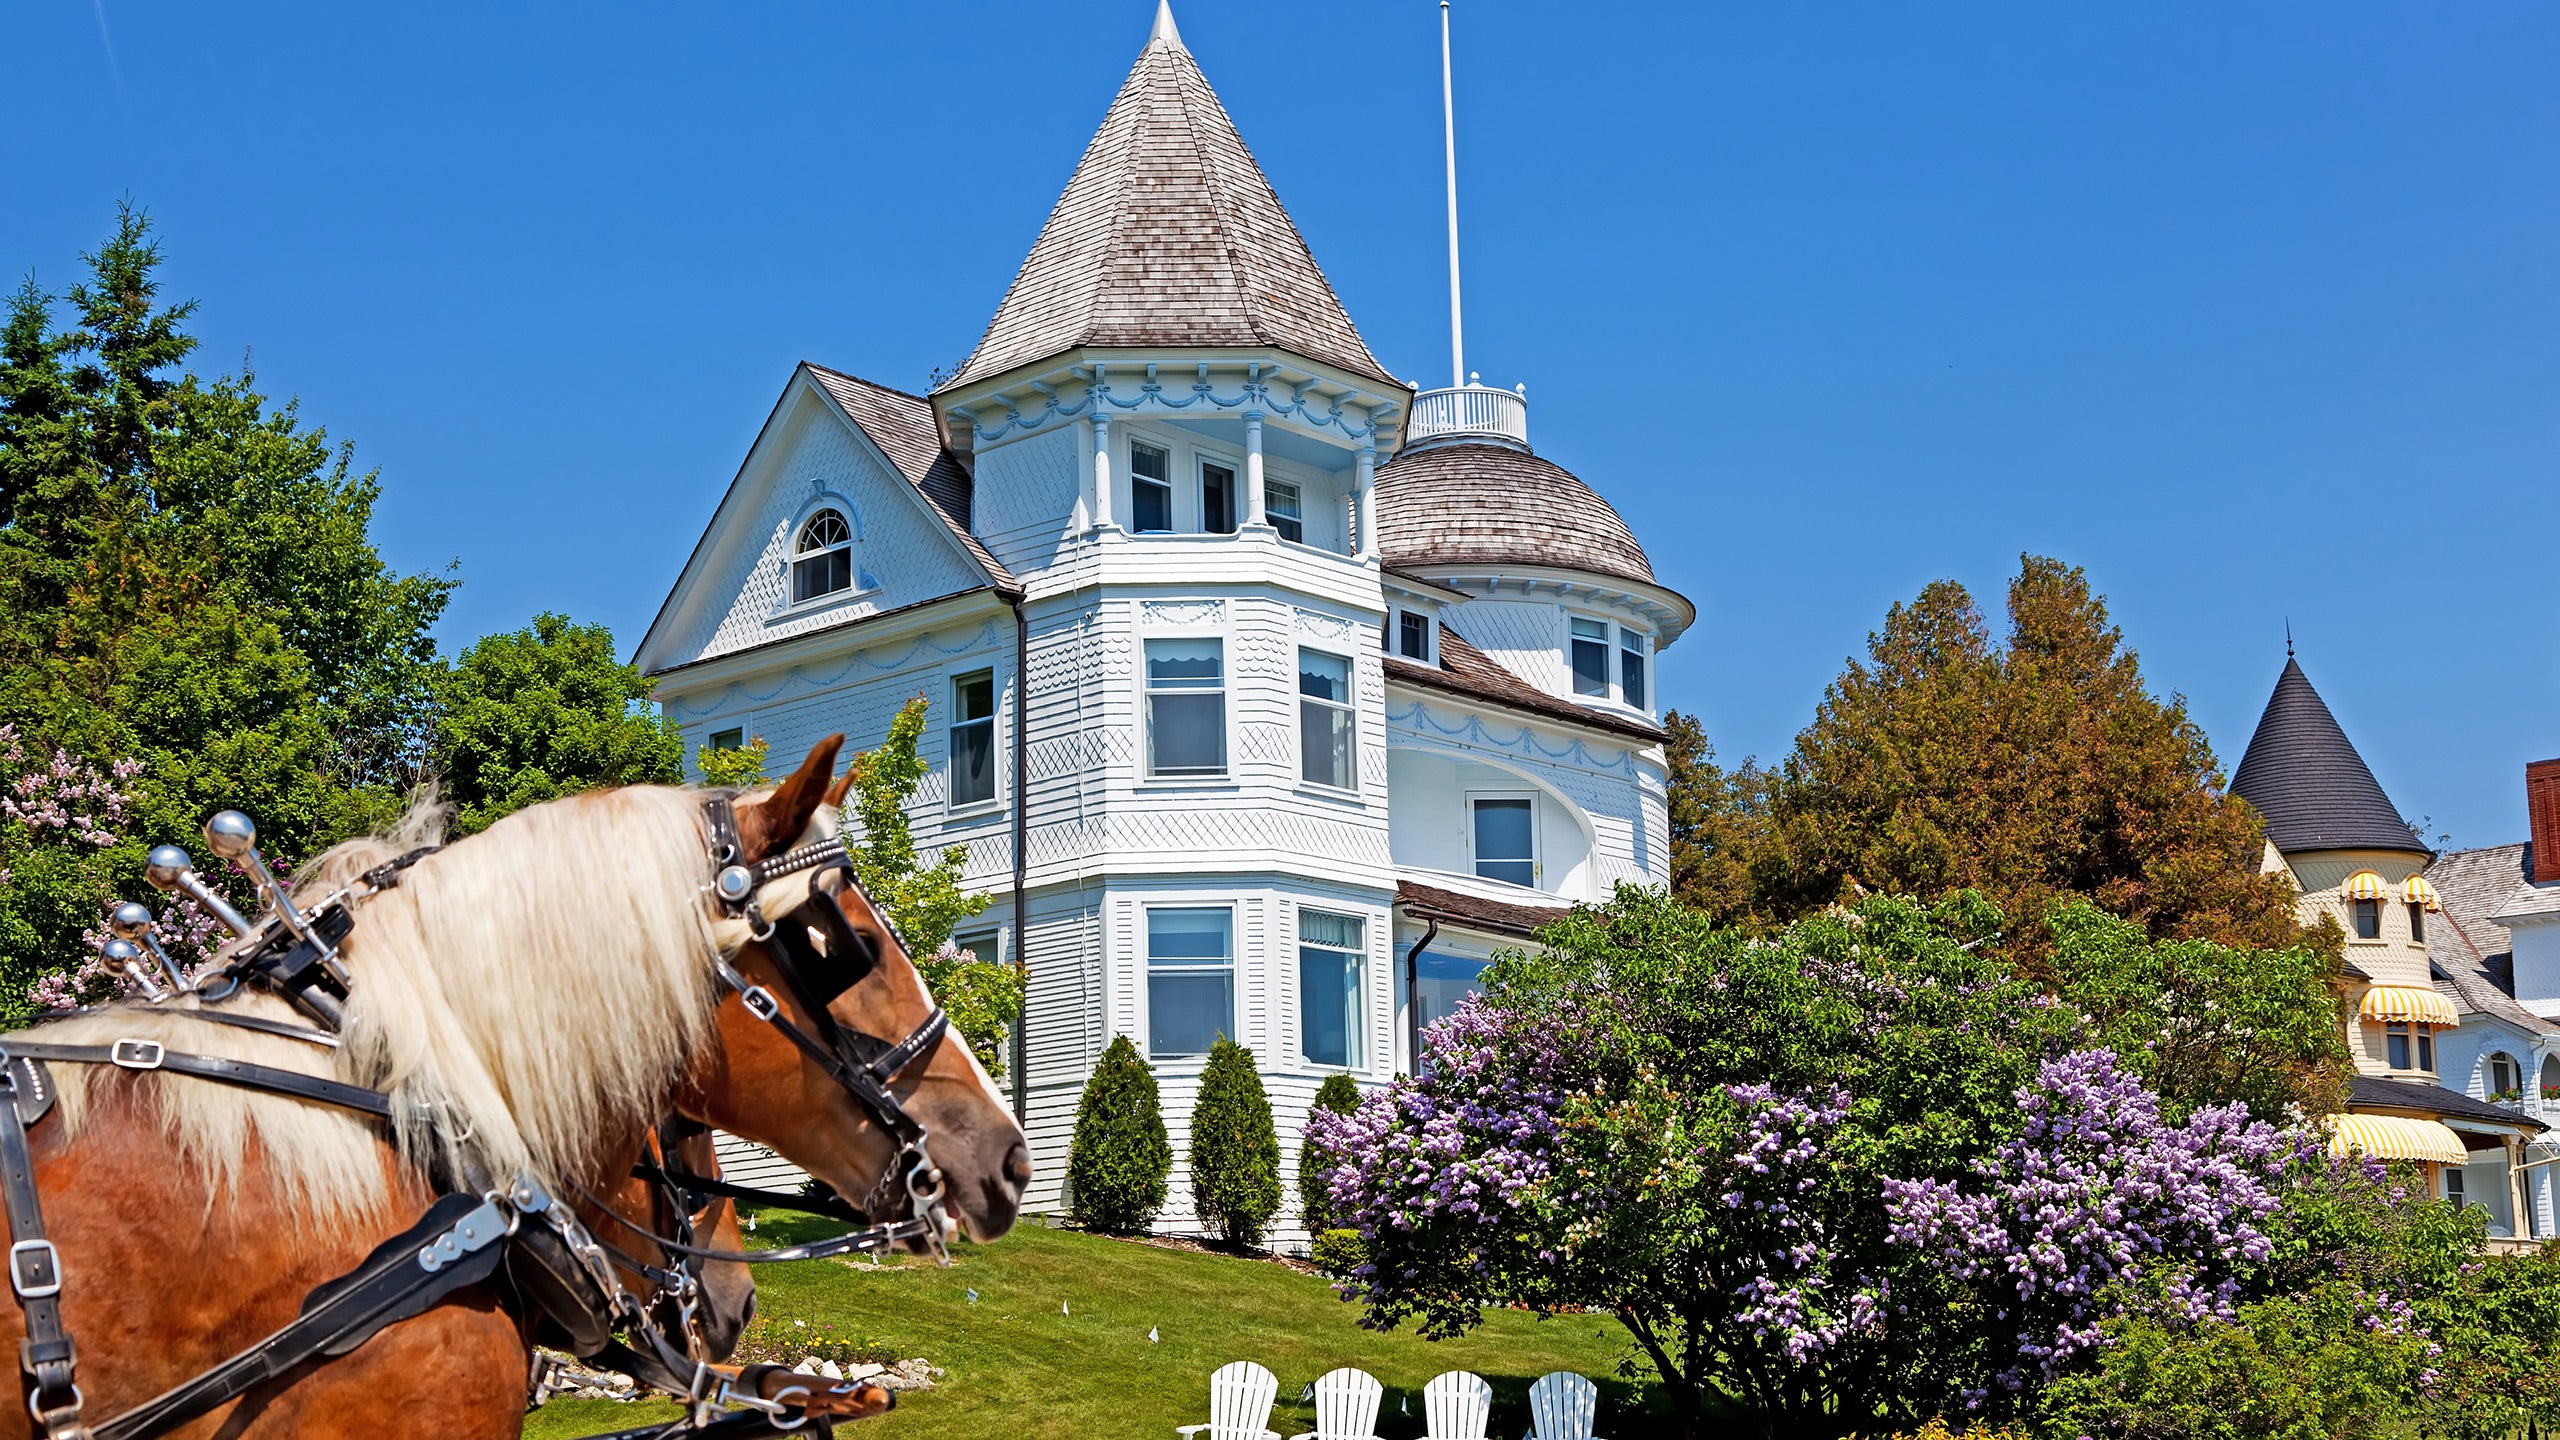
(765, 1086)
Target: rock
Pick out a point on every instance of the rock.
(808, 1365)
(830, 1369)
(863, 1372)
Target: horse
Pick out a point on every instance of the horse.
(532, 998)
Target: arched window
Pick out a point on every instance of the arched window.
(2505, 1077)
(2551, 1077)
(822, 557)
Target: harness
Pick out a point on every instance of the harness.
(556, 1269)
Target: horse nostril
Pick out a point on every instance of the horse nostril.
(1017, 1165)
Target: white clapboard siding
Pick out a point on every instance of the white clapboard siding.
(744, 1162)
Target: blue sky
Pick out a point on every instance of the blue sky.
(2253, 311)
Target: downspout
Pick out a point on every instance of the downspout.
(1021, 859)
(1413, 995)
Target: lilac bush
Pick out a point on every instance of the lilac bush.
(2096, 1200)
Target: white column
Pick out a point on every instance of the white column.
(1364, 472)
(1101, 469)
(1253, 468)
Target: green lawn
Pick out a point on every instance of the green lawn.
(1021, 1370)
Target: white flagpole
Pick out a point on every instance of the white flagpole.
(1449, 138)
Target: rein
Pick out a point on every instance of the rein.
(472, 1231)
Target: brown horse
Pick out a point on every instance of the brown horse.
(533, 999)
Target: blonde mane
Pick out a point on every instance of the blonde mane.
(526, 995)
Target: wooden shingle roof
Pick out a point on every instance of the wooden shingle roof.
(1168, 234)
(2304, 776)
(1494, 504)
(902, 426)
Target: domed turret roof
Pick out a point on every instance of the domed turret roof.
(1492, 504)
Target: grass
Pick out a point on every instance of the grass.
(1019, 1369)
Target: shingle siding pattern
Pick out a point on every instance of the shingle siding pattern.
(1169, 234)
(902, 426)
(1491, 504)
(2304, 776)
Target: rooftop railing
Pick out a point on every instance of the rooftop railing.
(1470, 410)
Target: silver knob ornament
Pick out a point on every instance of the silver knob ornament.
(169, 868)
(125, 956)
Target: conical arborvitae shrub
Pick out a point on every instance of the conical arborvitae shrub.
(1235, 1152)
(1119, 1165)
(1338, 1095)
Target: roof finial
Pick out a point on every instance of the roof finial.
(1449, 142)
(2288, 637)
(1164, 33)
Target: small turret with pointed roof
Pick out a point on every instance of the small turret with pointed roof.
(2303, 774)
(1168, 234)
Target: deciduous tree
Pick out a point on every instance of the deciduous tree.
(543, 712)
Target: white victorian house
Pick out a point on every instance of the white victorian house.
(1270, 696)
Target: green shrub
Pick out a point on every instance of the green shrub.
(1118, 1167)
(1340, 1096)
(1338, 1252)
(1235, 1152)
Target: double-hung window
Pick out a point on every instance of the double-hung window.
(1186, 707)
(1280, 507)
(1413, 635)
(1506, 838)
(1590, 657)
(1631, 667)
(1217, 499)
(2368, 916)
(973, 738)
(2418, 922)
(726, 740)
(1327, 731)
(2398, 1039)
(1330, 984)
(1150, 489)
(1191, 979)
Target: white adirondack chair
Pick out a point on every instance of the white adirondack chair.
(1346, 1406)
(1562, 1406)
(1240, 1396)
(1456, 1406)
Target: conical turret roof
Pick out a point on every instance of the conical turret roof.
(1168, 235)
(2305, 777)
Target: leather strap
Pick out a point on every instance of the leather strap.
(45, 1357)
(262, 1025)
(152, 1055)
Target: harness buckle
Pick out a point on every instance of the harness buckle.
(760, 1003)
(138, 1054)
(35, 1269)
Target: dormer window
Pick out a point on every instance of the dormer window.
(822, 557)
(1413, 636)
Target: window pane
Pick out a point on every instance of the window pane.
(2368, 919)
(2426, 1050)
(2418, 923)
(1342, 932)
(985, 949)
(1184, 664)
(973, 697)
(1329, 1005)
(1148, 461)
(1590, 658)
(2398, 1045)
(1325, 734)
(1187, 734)
(1440, 982)
(1187, 1012)
(1631, 677)
(727, 739)
(1413, 635)
(1280, 507)
(973, 762)
(1190, 936)
(1150, 507)
(1503, 842)
(1326, 677)
(821, 574)
(825, 528)
(1217, 499)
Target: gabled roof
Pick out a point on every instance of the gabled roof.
(2315, 791)
(1468, 671)
(2465, 946)
(902, 426)
(1168, 234)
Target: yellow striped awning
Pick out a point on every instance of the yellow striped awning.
(2365, 885)
(2394, 1137)
(2394, 1004)
(2416, 891)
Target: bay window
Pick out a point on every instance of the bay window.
(1330, 986)
(1186, 708)
(1191, 979)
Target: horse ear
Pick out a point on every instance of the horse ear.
(778, 819)
(842, 787)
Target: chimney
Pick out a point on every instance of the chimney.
(2542, 809)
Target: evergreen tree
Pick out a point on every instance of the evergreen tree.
(1337, 1096)
(2030, 771)
(1235, 1151)
(543, 712)
(1718, 823)
(1120, 1161)
(188, 586)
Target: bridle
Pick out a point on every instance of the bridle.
(819, 956)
